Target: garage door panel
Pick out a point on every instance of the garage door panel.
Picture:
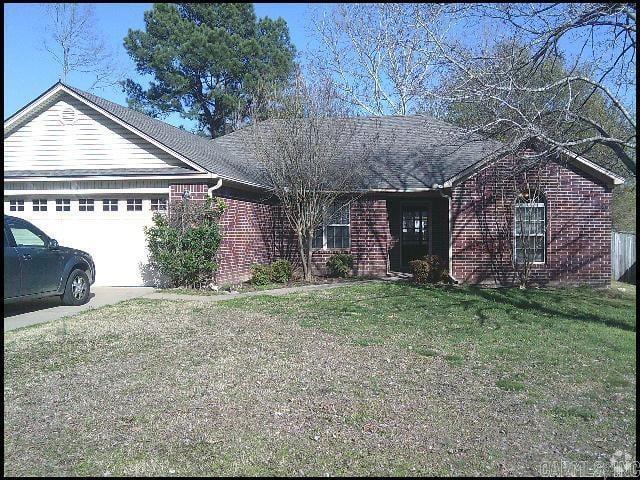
(115, 239)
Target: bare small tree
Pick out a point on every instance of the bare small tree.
(72, 39)
(312, 155)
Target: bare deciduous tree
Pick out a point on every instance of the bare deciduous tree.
(380, 63)
(490, 57)
(312, 155)
(72, 39)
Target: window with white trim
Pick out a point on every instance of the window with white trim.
(158, 204)
(16, 205)
(109, 205)
(85, 204)
(334, 232)
(63, 205)
(39, 205)
(134, 205)
(530, 230)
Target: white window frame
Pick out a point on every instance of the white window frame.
(134, 202)
(37, 205)
(61, 203)
(16, 205)
(326, 224)
(524, 204)
(159, 204)
(108, 204)
(88, 206)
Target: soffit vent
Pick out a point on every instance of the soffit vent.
(68, 116)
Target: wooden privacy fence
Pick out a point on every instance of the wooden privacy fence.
(623, 256)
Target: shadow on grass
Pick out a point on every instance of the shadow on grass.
(567, 303)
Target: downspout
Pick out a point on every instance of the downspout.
(448, 197)
(215, 187)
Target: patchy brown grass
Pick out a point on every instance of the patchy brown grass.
(171, 388)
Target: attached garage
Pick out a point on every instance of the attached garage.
(108, 226)
(90, 174)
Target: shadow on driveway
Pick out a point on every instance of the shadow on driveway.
(29, 306)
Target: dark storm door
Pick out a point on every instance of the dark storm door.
(415, 242)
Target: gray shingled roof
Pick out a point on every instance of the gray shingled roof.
(412, 151)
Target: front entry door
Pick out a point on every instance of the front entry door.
(415, 233)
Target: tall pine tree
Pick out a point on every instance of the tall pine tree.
(208, 62)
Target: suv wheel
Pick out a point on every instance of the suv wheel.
(77, 290)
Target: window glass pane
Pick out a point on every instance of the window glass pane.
(26, 237)
(85, 205)
(39, 205)
(530, 230)
(317, 238)
(63, 205)
(158, 204)
(134, 204)
(338, 214)
(16, 205)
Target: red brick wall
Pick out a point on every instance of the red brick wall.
(248, 234)
(254, 231)
(369, 241)
(578, 232)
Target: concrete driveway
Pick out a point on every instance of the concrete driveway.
(40, 311)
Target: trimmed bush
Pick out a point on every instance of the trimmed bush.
(340, 264)
(428, 269)
(260, 274)
(281, 271)
(183, 242)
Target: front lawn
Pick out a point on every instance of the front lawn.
(377, 378)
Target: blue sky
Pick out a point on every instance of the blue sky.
(29, 70)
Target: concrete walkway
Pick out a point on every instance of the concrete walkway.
(45, 310)
(228, 296)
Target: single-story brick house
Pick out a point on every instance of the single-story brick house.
(90, 173)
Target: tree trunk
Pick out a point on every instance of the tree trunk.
(303, 257)
(309, 254)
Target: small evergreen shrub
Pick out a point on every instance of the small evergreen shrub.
(261, 274)
(183, 242)
(428, 269)
(281, 271)
(340, 264)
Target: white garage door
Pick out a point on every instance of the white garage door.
(110, 229)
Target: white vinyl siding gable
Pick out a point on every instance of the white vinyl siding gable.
(87, 139)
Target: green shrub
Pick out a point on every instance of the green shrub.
(340, 264)
(281, 271)
(183, 242)
(428, 269)
(261, 274)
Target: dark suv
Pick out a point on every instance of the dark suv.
(35, 266)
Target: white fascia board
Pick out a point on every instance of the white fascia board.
(592, 167)
(149, 139)
(586, 165)
(86, 191)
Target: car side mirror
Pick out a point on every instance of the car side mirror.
(53, 244)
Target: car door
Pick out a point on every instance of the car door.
(41, 266)
(12, 268)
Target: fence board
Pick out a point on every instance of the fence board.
(623, 257)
